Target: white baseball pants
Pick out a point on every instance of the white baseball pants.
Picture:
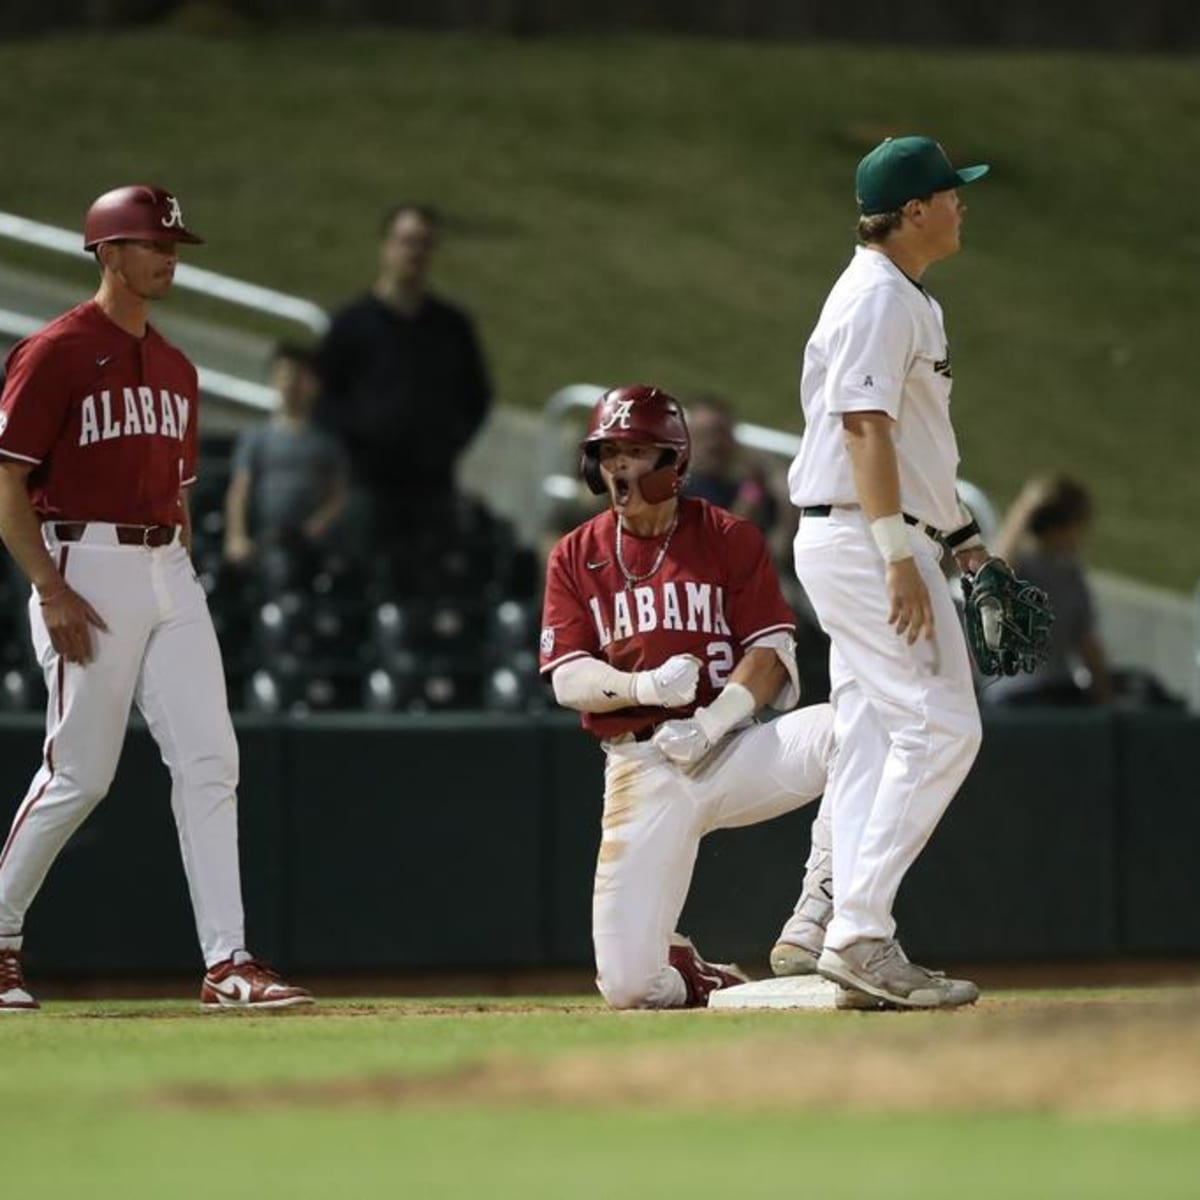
(161, 652)
(906, 718)
(654, 817)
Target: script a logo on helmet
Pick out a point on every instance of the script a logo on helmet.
(618, 416)
(174, 217)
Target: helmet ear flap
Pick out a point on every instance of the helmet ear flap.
(589, 468)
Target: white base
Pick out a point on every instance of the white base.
(791, 991)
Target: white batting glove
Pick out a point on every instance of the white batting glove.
(670, 686)
(687, 743)
(683, 743)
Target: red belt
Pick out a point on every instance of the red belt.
(127, 535)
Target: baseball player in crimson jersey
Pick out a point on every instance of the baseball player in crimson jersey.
(875, 484)
(97, 450)
(664, 625)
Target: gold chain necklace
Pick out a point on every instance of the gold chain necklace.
(630, 577)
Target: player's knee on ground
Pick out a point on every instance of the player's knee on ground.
(622, 987)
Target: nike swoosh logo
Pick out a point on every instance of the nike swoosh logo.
(233, 988)
(103, 359)
(595, 566)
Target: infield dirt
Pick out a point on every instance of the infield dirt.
(1116, 1055)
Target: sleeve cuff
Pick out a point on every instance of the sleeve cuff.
(563, 658)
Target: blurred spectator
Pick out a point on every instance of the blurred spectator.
(718, 471)
(288, 485)
(405, 385)
(1042, 539)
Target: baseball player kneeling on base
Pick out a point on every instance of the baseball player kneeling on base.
(665, 626)
(97, 450)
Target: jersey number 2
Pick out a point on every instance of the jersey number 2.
(720, 663)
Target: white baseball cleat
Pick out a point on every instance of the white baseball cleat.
(14, 995)
(788, 959)
(243, 982)
(880, 968)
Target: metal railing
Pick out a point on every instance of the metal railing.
(188, 278)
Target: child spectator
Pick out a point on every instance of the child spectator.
(289, 478)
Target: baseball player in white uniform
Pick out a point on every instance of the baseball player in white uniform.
(665, 627)
(97, 450)
(875, 484)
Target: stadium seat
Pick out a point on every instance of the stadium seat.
(513, 625)
(22, 690)
(290, 686)
(444, 626)
(447, 686)
(514, 687)
(281, 626)
(388, 690)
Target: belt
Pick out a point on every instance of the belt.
(824, 510)
(127, 535)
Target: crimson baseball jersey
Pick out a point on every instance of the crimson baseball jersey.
(713, 596)
(107, 419)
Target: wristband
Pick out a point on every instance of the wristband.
(732, 705)
(967, 537)
(891, 536)
(52, 593)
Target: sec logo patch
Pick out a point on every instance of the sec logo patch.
(547, 640)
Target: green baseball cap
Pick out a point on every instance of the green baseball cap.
(901, 169)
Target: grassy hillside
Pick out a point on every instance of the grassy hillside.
(674, 211)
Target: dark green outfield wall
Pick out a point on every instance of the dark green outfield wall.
(468, 842)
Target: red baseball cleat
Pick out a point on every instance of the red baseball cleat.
(14, 995)
(244, 982)
(700, 977)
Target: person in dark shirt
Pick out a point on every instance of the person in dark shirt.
(404, 382)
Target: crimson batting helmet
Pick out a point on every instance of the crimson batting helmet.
(645, 415)
(140, 213)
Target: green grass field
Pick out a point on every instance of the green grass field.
(674, 210)
(1031, 1095)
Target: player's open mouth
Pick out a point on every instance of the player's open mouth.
(622, 489)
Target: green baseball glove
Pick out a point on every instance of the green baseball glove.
(1007, 619)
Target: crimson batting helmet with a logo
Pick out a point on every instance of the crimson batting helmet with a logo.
(645, 415)
(140, 213)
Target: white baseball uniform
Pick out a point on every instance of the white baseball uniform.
(108, 422)
(709, 590)
(906, 718)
